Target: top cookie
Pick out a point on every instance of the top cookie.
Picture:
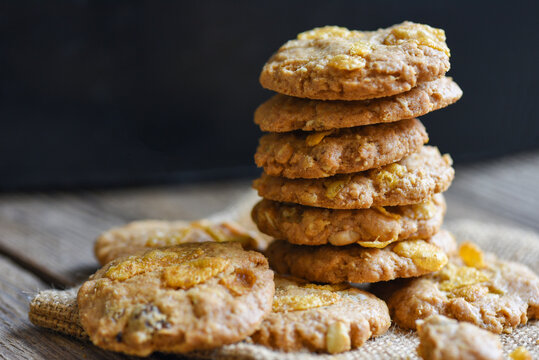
(146, 234)
(177, 299)
(334, 63)
(284, 113)
(493, 294)
(325, 318)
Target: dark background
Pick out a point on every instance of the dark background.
(107, 93)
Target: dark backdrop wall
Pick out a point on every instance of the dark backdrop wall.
(97, 93)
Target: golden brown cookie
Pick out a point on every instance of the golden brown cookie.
(374, 227)
(321, 318)
(412, 180)
(493, 294)
(334, 63)
(284, 113)
(177, 299)
(146, 234)
(357, 264)
(341, 151)
(441, 338)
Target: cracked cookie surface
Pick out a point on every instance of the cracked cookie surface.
(284, 113)
(177, 299)
(321, 318)
(374, 227)
(357, 264)
(334, 63)
(478, 288)
(310, 155)
(412, 180)
(146, 234)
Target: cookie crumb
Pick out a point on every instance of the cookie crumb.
(441, 338)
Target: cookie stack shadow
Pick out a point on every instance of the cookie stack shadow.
(350, 189)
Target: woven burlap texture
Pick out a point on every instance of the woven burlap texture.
(57, 309)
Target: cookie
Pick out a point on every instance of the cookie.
(284, 113)
(412, 180)
(177, 299)
(493, 294)
(146, 234)
(357, 264)
(441, 338)
(334, 63)
(321, 318)
(374, 227)
(341, 151)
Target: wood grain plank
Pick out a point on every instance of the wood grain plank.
(19, 339)
(53, 234)
(507, 188)
(187, 202)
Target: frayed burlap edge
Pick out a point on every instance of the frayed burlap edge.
(57, 309)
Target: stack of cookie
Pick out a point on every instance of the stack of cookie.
(349, 187)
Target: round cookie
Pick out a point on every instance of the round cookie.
(412, 180)
(493, 294)
(357, 264)
(334, 63)
(341, 151)
(177, 299)
(284, 113)
(441, 338)
(374, 227)
(321, 318)
(145, 234)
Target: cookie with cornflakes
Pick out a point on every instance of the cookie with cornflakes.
(412, 180)
(146, 234)
(322, 154)
(177, 299)
(478, 288)
(321, 318)
(373, 227)
(334, 63)
(283, 113)
(357, 264)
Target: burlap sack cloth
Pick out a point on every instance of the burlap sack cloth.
(57, 309)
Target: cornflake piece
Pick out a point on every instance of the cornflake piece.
(151, 261)
(520, 353)
(423, 254)
(472, 255)
(193, 272)
(317, 137)
(422, 34)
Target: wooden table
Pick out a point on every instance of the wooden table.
(46, 239)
